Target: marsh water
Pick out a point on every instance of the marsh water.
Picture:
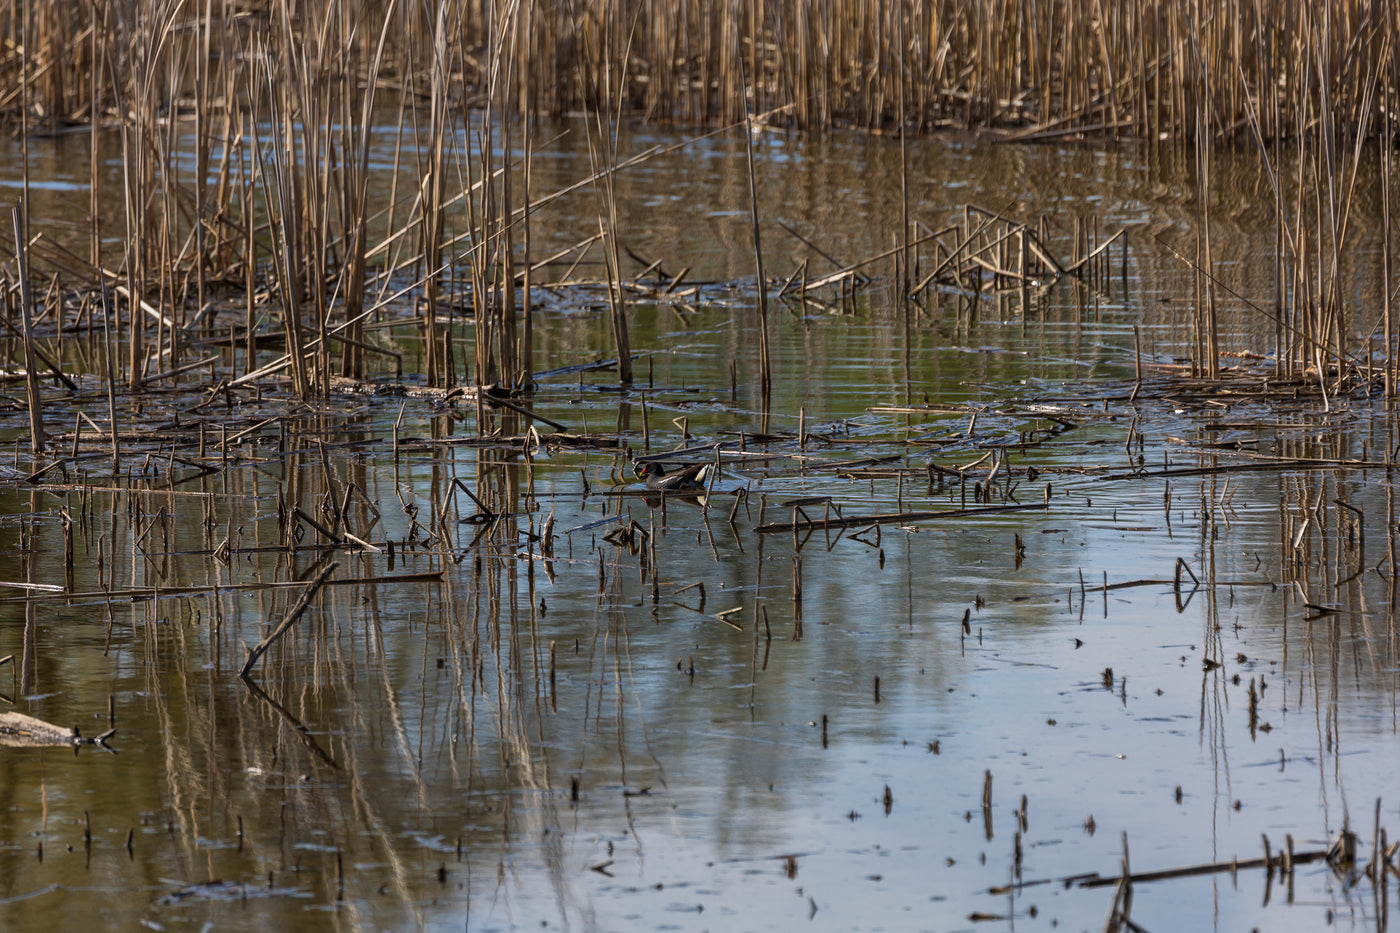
(541, 699)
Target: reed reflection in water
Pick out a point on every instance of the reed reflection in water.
(545, 702)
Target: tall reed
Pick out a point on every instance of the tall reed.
(1048, 67)
(276, 99)
(1057, 67)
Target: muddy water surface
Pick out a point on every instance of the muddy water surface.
(657, 715)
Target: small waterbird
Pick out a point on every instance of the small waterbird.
(690, 478)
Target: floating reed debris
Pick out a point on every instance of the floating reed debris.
(852, 521)
(1283, 862)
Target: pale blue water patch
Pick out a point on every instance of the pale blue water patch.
(44, 185)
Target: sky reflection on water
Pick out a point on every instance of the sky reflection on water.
(528, 745)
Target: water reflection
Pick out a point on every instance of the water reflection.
(459, 728)
(496, 716)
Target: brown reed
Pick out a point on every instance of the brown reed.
(1144, 69)
(276, 100)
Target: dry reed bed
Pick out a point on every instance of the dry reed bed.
(1145, 69)
(245, 137)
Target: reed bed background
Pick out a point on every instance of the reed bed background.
(1031, 69)
(277, 102)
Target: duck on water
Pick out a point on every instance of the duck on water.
(691, 478)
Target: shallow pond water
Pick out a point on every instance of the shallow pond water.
(660, 715)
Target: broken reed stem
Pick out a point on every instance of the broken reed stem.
(1285, 861)
(303, 601)
(1137, 358)
(36, 407)
(904, 275)
(765, 373)
(1387, 154)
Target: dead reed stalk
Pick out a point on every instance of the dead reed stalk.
(36, 405)
(276, 105)
(1033, 69)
